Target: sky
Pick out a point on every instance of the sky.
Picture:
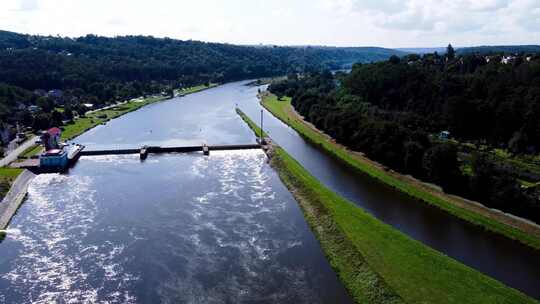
(385, 23)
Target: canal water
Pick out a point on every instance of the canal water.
(188, 228)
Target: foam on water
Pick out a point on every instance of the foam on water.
(201, 230)
(53, 251)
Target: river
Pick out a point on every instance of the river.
(176, 228)
(223, 228)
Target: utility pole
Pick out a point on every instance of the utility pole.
(262, 132)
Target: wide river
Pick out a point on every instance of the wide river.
(219, 229)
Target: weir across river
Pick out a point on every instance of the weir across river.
(145, 150)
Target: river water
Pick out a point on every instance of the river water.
(188, 228)
(176, 228)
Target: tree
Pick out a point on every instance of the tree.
(394, 59)
(441, 166)
(450, 52)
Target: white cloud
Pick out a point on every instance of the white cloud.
(29, 5)
(389, 23)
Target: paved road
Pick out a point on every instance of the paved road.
(12, 156)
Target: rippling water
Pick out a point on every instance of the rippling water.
(176, 228)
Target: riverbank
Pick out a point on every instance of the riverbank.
(14, 198)
(493, 220)
(7, 177)
(96, 118)
(377, 263)
(14, 182)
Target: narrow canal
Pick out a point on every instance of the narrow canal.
(194, 229)
(508, 261)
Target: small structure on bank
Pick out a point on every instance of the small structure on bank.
(55, 157)
(444, 135)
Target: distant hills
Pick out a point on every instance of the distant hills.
(484, 50)
(500, 49)
(102, 70)
(439, 50)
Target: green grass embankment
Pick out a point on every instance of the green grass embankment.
(282, 109)
(7, 176)
(34, 150)
(377, 263)
(186, 91)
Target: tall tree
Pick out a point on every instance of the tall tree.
(450, 52)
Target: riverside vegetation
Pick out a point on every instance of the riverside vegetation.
(377, 263)
(395, 112)
(48, 72)
(283, 110)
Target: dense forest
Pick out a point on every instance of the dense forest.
(99, 70)
(444, 119)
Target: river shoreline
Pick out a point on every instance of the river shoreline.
(14, 198)
(18, 189)
(377, 263)
(475, 213)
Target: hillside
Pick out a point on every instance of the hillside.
(498, 49)
(100, 70)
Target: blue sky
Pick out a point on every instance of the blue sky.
(387, 23)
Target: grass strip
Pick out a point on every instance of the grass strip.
(377, 263)
(31, 151)
(279, 109)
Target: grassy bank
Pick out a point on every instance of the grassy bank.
(377, 263)
(93, 119)
(7, 176)
(186, 91)
(282, 109)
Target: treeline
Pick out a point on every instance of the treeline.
(100, 70)
(393, 111)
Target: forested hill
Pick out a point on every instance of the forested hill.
(37, 62)
(500, 49)
(100, 70)
(396, 111)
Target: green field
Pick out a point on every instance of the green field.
(279, 109)
(377, 263)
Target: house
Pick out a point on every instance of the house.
(54, 158)
(55, 94)
(444, 135)
(51, 138)
(33, 109)
(507, 59)
(40, 93)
